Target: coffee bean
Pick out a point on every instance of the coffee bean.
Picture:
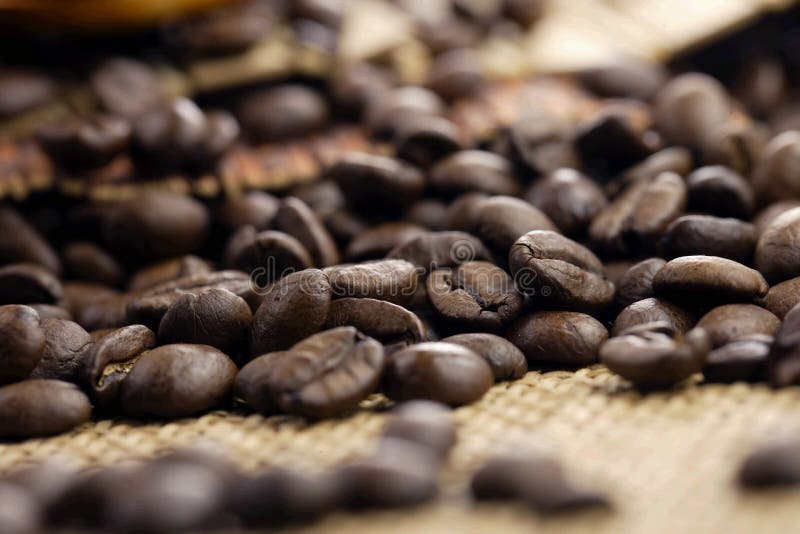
(269, 255)
(377, 183)
(36, 408)
(324, 197)
(761, 85)
(156, 225)
(431, 214)
(322, 376)
(282, 112)
(744, 360)
(638, 217)
(784, 356)
(126, 87)
(713, 236)
(78, 143)
(765, 217)
(27, 283)
(177, 381)
(775, 175)
(625, 78)
(676, 160)
(392, 325)
(251, 387)
(720, 191)
(499, 221)
(559, 271)
(456, 74)
(560, 338)
(731, 322)
(296, 219)
(654, 356)
(773, 464)
(652, 310)
(736, 145)
(443, 372)
(505, 359)
(110, 360)
(637, 282)
(352, 86)
(211, 316)
(474, 296)
(473, 170)
(392, 280)
(291, 309)
(21, 342)
(539, 144)
(569, 198)
(776, 257)
(255, 208)
(84, 260)
(167, 271)
(94, 306)
(433, 250)
(424, 423)
(461, 212)
(23, 89)
(423, 140)
(64, 352)
(707, 280)
(344, 226)
(783, 297)
(610, 142)
(22, 243)
(50, 311)
(387, 110)
(20, 511)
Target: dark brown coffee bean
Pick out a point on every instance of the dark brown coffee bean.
(167, 271)
(377, 183)
(177, 381)
(775, 176)
(254, 208)
(777, 256)
(462, 210)
(744, 360)
(505, 359)
(250, 387)
(392, 280)
(443, 372)
(296, 219)
(282, 112)
(731, 322)
(707, 280)
(64, 351)
(156, 225)
(652, 310)
(720, 191)
(324, 197)
(784, 356)
(500, 221)
(291, 309)
(352, 86)
(713, 236)
(736, 145)
(625, 78)
(126, 87)
(423, 140)
(456, 74)
(561, 338)
(392, 325)
(689, 107)
(676, 160)
(476, 295)
(637, 282)
(560, 271)
(474, 170)
(79, 143)
(771, 212)
(655, 356)
(386, 111)
(22, 243)
(344, 226)
(20, 510)
(94, 306)
(211, 316)
(36, 408)
(27, 283)
(773, 464)
(635, 220)
(540, 144)
(21, 342)
(429, 213)
(569, 198)
(84, 260)
(783, 297)
(426, 423)
(22, 90)
(610, 142)
(268, 255)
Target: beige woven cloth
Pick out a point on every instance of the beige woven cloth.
(667, 460)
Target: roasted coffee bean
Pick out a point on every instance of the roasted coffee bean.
(773, 464)
(386, 111)
(22, 340)
(20, 510)
(156, 225)
(111, 358)
(783, 297)
(744, 360)
(473, 170)
(456, 74)
(23, 89)
(476, 295)
(211, 316)
(736, 145)
(560, 338)
(609, 142)
(765, 217)
(569, 198)
(426, 423)
(761, 84)
(344, 226)
(559, 271)
(268, 255)
(655, 356)
(167, 271)
(79, 143)
(251, 385)
(27, 283)
(775, 176)
(443, 372)
(534, 479)
(505, 359)
(499, 221)
(352, 86)
(638, 217)
(713, 236)
(36, 408)
(94, 306)
(731, 322)
(784, 356)
(50, 311)
(377, 183)
(392, 280)
(720, 191)
(64, 351)
(392, 325)
(540, 144)
(777, 253)
(322, 376)
(707, 280)
(84, 260)
(254, 208)
(637, 282)
(177, 381)
(433, 250)
(22, 243)
(126, 87)
(431, 214)
(423, 141)
(652, 310)
(676, 160)
(291, 309)
(324, 197)
(625, 78)
(296, 219)
(282, 112)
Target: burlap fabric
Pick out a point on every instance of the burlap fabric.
(667, 460)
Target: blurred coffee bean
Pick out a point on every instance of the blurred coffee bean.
(268, 255)
(456, 74)
(79, 143)
(28, 283)
(703, 234)
(296, 219)
(462, 211)
(429, 213)
(784, 356)
(344, 226)
(426, 423)
(433, 250)
(540, 144)
(254, 208)
(505, 359)
(392, 280)
(250, 388)
(569, 198)
(637, 282)
(777, 254)
(501, 220)
(771, 212)
(731, 322)
(21, 90)
(783, 297)
(126, 87)
(609, 143)
(744, 360)
(720, 191)
(560, 338)
(94, 306)
(352, 86)
(20, 510)
(378, 240)
(423, 141)
(652, 310)
(473, 170)
(524, 12)
(625, 77)
(394, 326)
(761, 85)
(86, 261)
(51, 311)
(386, 111)
(22, 340)
(708, 280)
(282, 112)
(735, 145)
(35, 408)
(773, 464)
(676, 160)
(167, 271)
(64, 353)
(324, 197)
(22, 243)
(775, 176)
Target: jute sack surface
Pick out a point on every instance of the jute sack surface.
(667, 460)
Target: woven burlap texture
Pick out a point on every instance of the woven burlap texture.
(667, 460)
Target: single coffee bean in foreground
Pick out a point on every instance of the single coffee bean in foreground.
(22, 340)
(505, 359)
(35, 408)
